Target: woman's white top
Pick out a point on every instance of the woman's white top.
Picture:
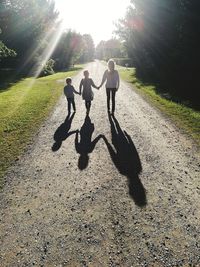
(111, 78)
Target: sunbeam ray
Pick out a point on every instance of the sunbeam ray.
(45, 56)
(49, 50)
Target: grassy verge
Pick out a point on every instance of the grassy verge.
(185, 118)
(23, 107)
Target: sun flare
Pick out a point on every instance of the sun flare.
(93, 17)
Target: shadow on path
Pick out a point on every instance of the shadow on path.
(85, 145)
(62, 133)
(126, 159)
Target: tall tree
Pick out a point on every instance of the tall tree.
(162, 38)
(112, 48)
(27, 26)
(68, 50)
(88, 48)
(100, 50)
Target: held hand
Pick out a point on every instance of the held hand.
(103, 137)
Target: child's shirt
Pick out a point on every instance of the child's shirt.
(87, 85)
(69, 91)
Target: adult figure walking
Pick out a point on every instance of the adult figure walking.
(111, 76)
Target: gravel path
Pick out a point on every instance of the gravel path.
(124, 191)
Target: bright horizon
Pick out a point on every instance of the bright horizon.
(92, 17)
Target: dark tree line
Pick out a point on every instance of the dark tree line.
(73, 48)
(163, 39)
(28, 28)
(24, 25)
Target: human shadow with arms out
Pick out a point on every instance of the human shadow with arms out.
(126, 159)
(85, 145)
(62, 132)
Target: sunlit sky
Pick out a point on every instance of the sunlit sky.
(95, 17)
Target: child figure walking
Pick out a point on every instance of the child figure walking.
(69, 93)
(87, 93)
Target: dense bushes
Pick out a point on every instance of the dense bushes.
(5, 51)
(48, 68)
(126, 62)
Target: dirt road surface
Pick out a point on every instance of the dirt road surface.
(103, 190)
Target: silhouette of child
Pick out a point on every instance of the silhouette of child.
(63, 132)
(87, 93)
(84, 144)
(69, 93)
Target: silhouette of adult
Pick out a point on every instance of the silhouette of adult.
(126, 159)
(85, 145)
(62, 132)
(111, 76)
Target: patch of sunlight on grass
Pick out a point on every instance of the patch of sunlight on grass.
(22, 110)
(184, 117)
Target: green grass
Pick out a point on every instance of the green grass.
(184, 117)
(23, 107)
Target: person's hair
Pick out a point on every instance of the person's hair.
(86, 72)
(111, 62)
(68, 80)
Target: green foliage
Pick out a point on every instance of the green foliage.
(67, 50)
(32, 29)
(126, 62)
(162, 38)
(88, 49)
(112, 48)
(5, 51)
(48, 68)
(27, 26)
(185, 118)
(73, 48)
(23, 107)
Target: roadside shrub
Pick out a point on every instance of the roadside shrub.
(48, 68)
(125, 62)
